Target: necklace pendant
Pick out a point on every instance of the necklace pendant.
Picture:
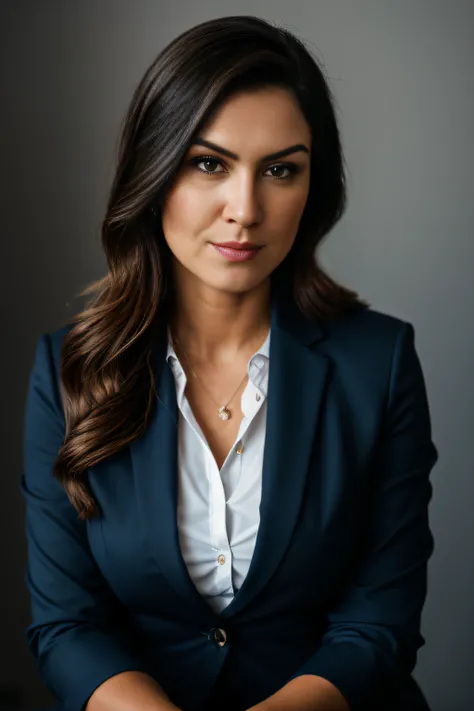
(224, 413)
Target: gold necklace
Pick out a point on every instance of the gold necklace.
(223, 411)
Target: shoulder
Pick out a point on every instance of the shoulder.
(367, 331)
(370, 349)
(49, 346)
(45, 371)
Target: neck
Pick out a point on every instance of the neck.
(218, 327)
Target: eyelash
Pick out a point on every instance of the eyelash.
(292, 167)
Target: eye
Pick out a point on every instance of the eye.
(209, 160)
(292, 168)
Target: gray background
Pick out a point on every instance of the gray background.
(402, 75)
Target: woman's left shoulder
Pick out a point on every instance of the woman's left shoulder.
(367, 328)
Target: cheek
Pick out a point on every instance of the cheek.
(292, 209)
(286, 217)
(180, 215)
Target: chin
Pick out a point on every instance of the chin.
(233, 286)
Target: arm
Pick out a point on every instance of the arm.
(74, 612)
(130, 690)
(374, 628)
(305, 693)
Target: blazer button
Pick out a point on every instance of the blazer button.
(218, 636)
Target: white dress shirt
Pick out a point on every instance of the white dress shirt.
(218, 510)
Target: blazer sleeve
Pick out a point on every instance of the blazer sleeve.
(374, 627)
(72, 607)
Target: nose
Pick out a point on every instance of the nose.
(243, 204)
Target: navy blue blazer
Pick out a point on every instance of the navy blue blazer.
(337, 582)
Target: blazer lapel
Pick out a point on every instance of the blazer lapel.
(154, 461)
(297, 377)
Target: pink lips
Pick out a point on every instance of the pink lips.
(237, 255)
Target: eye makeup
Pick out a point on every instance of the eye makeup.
(292, 168)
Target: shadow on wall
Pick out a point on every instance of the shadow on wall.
(11, 700)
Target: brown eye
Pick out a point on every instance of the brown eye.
(211, 162)
(208, 161)
(280, 168)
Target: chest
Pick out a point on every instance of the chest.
(220, 434)
(315, 483)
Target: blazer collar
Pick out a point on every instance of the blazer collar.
(295, 391)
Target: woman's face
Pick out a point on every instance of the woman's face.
(244, 197)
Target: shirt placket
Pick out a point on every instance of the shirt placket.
(217, 501)
(222, 483)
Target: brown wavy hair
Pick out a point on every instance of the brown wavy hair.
(106, 372)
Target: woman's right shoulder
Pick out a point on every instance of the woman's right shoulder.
(45, 370)
(44, 422)
(49, 346)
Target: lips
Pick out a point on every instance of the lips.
(238, 253)
(246, 246)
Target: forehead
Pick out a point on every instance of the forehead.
(252, 121)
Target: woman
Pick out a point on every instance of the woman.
(227, 454)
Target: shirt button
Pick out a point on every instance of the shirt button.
(257, 397)
(218, 636)
(221, 559)
(240, 448)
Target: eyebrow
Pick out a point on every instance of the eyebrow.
(299, 147)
